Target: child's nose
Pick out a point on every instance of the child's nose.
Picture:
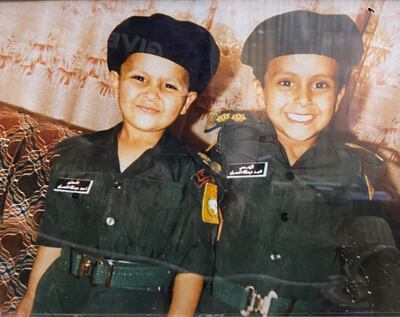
(152, 93)
(303, 96)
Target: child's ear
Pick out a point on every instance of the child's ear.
(114, 80)
(190, 97)
(339, 98)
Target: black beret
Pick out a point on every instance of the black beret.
(304, 32)
(182, 42)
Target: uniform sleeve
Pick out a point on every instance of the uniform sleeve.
(199, 258)
(198, 254)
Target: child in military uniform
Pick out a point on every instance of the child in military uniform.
(124, 208)
(293, 225)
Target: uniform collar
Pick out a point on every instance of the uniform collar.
(106, 138)
(323, 153)
(167, 145)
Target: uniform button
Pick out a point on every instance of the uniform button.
(110, 221)
(275, 256)
(284, 216)
(290, 175)
(117, 184)
(75, 195)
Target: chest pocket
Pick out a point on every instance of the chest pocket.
(158, 213)
(74, 198)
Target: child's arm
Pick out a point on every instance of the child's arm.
(186, 294)
(45, 257)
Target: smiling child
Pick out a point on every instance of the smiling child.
(124, 219)
(302, 231)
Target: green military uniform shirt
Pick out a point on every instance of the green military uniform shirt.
(150, 213)
(284, 225)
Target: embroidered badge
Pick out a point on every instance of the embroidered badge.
(243, 170)
(71, 185)
(209, 211)
(202, 178)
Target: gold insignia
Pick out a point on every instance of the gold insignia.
(354, 146)
(238, 117)
(204, 157)
(210, 147)
(370, 188)
(216, 167)
(209, 212)
(223, 117)
(214, 118)
(213, 165)
(211, 121)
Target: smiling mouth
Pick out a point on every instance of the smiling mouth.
(148, 109)
(299, 118)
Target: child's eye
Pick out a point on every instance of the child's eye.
(170, 86)
(321, 85)
(138, 77)
(286, 83)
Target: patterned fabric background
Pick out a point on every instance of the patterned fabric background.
(52, 62)
(25, 154)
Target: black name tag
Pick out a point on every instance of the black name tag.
(71, 185)
(242, 170)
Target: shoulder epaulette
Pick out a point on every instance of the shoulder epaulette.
(216, 120)
(365, 155)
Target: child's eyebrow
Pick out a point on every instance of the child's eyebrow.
(176, 80)
(280, 73)
(135, 71)
(325, 76)
(144, 73)
(291, 74)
